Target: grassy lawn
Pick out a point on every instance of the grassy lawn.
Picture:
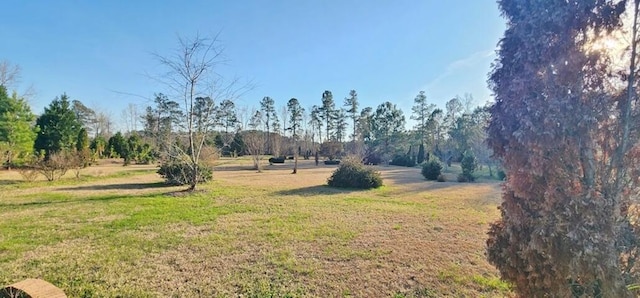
(269, 234)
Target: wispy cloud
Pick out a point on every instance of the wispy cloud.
(458, 77)
(458, 65)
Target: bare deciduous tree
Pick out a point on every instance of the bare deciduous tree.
(130, 117)
(9, 74)
(10, 78)
(192, 72)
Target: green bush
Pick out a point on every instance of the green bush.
(442, 178)
(502, 175)
(175, 173)
(463, 178)
(431, 169)
(468, 165)
(355, 175)
(372, 159)
(403, 161)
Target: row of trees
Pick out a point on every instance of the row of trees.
(198, 111)
(59, 139)
(376, 134)
(379, 134)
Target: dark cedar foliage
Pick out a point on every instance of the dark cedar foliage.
(353, 174)
(566, 134)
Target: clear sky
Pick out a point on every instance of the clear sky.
(99, 51)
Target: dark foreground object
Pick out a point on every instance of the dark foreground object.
(276, 160)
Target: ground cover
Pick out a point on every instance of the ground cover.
(121, 232)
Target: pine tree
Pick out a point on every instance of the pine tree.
(351, 103)
(295, 119)
(327, 113)
(421, 112)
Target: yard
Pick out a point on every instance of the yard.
(118, 231)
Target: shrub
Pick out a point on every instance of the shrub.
(462, 178)
(502, 175)
(276, 160)
(28, 172)
(355, 175)
(431, 170)
(442, 178)
(372, 159)
(175, 173)
(77, 161)
(403, 161)
(420, 154)
(468, 165)
(55, 165)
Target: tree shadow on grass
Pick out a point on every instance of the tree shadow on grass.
(226, 168)
(105, 198)
(118, 186)
(317, 190)
(10, 182)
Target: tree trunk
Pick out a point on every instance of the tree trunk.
(295, 162)
(194, 180)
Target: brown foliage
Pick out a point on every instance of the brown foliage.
(557, 125)
(55, 167)
(28, 173)
(254, 140)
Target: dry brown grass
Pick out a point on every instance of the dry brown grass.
(254, 234)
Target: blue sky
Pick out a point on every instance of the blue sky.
(100, 51)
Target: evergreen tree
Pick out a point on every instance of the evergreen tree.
(421, 112)
(237, 146)
(420, 157)
(59, 127)
(134, 150)
(98, 146)
(82, 143)
(340, 124)
(365, 124)
(327, 113)
(568, 141)
(295, 119)
(227, 115)
(82, 147)
(203, 109)
(388, 123)
(351, 103)
(316, 121)
(17, 133)
(267, 106)
(118, 145)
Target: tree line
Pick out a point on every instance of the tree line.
(198, 119)
(376, 134)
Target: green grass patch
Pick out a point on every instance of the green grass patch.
(492, 283)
